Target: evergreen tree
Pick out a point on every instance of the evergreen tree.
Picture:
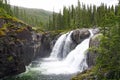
(65, 17)
(94, 16)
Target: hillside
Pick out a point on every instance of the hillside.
(32, 16)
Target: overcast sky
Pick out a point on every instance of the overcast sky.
(57, 5)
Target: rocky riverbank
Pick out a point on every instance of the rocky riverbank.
(19, 45)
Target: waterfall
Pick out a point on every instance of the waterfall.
(67, 45)
(77, 56)
(74, 60)
(62, 46)
(58, 47)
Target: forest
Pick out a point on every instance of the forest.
(107, 18)
(85, 16)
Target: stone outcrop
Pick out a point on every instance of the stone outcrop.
(45, 47)
(18, 46)
(92, 54)
(79, 35)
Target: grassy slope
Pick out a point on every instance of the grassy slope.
(43, 15)
(40, 14)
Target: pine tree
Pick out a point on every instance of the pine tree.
(54, 20)
(65, 17)
(72, 20)
(94, 16)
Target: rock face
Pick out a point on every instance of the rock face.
(19, 45)
(91, 55)
(79, 35)
(11, 62)
(45, 48)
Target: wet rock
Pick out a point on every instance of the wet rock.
(79, 35)
(47, 42)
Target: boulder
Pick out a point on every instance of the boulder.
(79, 35)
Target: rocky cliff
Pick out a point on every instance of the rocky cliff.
(13, 38)
(19, 45)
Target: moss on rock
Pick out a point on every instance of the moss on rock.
(86, 75)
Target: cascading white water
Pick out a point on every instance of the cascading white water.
(77, 57)
(62, 46)
(67, 45)
(57, 49)
(74, 62)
